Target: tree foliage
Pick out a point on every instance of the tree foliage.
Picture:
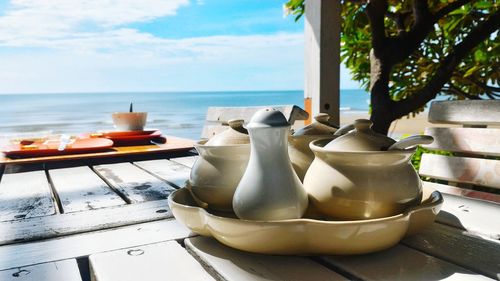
(425, 48)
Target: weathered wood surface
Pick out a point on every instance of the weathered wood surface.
(231, 264)
(469, 112)
(66, 270)
(134, 183)
(459, 247)
(25, 195)
(476, 216)
(174, 173)
(162, 261)
(484, 172)
(67, 247)
(78, 222)
(174, 144)
(80, 189)
(187, 161)
(400, 263)
(464, 192)
(478, 141)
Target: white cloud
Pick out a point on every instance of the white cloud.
(80, 45)
(34, 21)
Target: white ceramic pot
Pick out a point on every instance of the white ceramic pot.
(222, 162)
(217, 172)
(361, 185)
(356, 177)
(301, 155)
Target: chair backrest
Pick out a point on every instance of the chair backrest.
(474, 162)
(217, 117)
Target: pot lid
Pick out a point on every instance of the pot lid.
(320, 127)
(235, 134)
(268, 118)
(362, 138)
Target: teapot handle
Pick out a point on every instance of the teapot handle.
(344, 130)
(411, 141)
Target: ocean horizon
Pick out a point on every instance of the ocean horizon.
(179, 114)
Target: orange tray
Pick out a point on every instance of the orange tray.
(126, 138)
(39, 149)
(172, 145)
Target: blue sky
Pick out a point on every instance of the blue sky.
(150, 45)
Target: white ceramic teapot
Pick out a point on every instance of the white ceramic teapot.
(363, 175)
(218, 170)
(269, 188)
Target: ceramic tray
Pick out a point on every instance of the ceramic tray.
(305, 236)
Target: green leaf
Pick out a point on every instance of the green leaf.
(471, 71)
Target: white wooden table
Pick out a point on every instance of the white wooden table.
(112, 222)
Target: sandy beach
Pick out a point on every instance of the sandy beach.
(400, 127)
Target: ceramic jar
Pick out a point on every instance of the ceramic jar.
(218, 170)
(298, 143)
(355, 176)
(269, 188)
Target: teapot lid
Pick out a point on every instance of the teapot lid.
(320, 127)
(235, 134)
(268, 118)
(362, 138)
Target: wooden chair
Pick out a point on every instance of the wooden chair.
(217, 117)
(474, 169)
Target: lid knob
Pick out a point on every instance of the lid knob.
(322, 118)
(363, 124)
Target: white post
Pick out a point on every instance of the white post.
(322, 57)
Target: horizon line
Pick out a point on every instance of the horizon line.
(157, 92)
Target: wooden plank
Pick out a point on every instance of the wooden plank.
(484, 172)
(479, 141)
(231, 264)
(459, 247)
(187, 161)
(464, 192)
(66, 247)
(469, 112)
(80, 189)
(25, 195)
(66, 270)
(77, 222)
(133, 182)
(173, 144)
(322, 56)
(223, 114)
(174, 173)
(400, 263)
(475, 216)
(150, 262)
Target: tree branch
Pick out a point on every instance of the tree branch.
(399, 18)
(445, 70)
(375, 10)
(449, 8)
(409, 41)
(457, 91)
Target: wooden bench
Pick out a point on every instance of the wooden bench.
(472, 168)
(217, 117)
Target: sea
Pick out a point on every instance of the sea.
(179, 114)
